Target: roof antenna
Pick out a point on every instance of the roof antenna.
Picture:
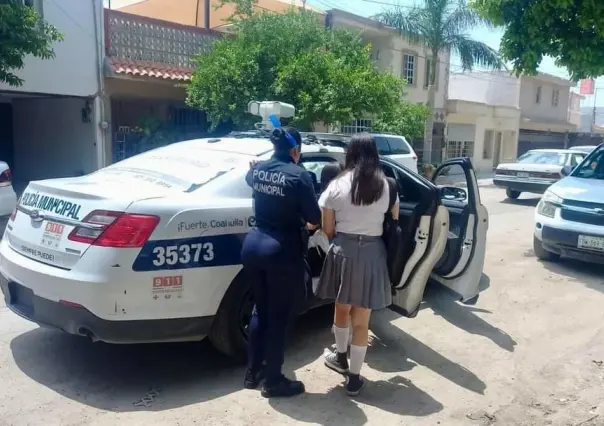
(270, 112)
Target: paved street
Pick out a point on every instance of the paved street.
(531, 352)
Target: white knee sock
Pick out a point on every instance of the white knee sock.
(357, 357)
(341, 338)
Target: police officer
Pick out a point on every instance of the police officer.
(285, 205)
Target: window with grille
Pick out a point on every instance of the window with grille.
(538, 95)
(429, 76)
(357, 126)
(457, 149)
(409, 68)
(555, 98)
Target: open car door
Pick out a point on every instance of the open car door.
(422, 237)
(460, 265)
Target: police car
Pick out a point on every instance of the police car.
(148, 249)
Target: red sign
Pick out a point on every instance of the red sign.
(167, 282)
(54, 228)
(587, 86)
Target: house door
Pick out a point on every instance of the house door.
(497, 150)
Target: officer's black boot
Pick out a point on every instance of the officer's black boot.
(283, 388)
(253, 378)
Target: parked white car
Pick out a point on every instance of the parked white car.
(392, 146)
(148, 249)
(8, 198)
(535, 170)
(569, 219)
(584, 148)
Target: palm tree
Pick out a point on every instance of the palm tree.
(442, 26)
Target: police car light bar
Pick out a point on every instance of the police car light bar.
(265, 109)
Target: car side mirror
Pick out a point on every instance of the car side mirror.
(567, 170)
(453, 193)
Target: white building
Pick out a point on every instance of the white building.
(395, 54)
(483, 118)
(50, 126)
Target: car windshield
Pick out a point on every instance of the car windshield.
(592, 167)
(540, 157)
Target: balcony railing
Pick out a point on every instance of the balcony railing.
(139, 38)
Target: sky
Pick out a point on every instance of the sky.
(491, 37)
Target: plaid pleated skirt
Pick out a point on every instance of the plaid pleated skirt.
(355, 272)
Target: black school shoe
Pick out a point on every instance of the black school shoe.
(253, 379)
(354, 385)
(285, 388)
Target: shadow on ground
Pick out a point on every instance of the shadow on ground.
(446, 305)
(128, 378)
(589, 274)
(122, 378)
(528, 202)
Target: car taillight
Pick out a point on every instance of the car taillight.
(115, 229)
(504, 172)
(6, 178)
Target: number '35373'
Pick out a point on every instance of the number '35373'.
(183, 254)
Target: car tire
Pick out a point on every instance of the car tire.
(512, 194)
(226, 334)
(543, 254)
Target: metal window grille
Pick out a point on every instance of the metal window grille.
(457, 149)
(357, 126)
(409, 68)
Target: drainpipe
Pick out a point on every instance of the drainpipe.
(206, 14)
(100, 95)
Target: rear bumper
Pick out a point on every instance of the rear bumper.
(79, 321)
(523, 185)
(565, 243)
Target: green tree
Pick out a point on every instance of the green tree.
(571, 31)
(441, 26)
(327, 74)
(22, 32)
(406, 119)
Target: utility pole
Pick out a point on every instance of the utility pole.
(206, 14)
(594, 113)
(303, 4)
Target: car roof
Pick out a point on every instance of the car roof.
(556, 151)
(248, 146)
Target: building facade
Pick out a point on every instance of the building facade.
(483, 118)
(50, 126)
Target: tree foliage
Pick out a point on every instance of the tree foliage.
(22, 32)
(405, 119)
(327, 74)
(571, 31)
(442, 27)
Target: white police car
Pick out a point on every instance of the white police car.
(147, 249)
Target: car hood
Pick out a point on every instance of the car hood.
(579, 189)
(547, 168)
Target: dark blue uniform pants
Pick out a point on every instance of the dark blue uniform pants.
(275, 270)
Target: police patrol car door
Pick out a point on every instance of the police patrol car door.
(460, 267)
(423, 225)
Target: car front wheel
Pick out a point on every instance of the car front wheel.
(512, 194)
(543, 254)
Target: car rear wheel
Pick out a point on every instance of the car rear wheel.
(512, 194)
(230, 328)
(543, 254)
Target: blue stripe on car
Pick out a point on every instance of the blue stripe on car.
(186, 253)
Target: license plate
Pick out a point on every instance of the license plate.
(592, 243)
(523, 174)
(53, 232)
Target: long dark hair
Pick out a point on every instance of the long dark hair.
(363, 160)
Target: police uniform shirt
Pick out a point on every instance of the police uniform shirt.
(284, 195)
